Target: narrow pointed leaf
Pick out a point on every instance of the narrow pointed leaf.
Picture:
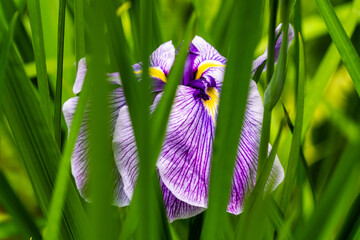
(296, 141)
(59, 75)
(342, 42)
(16, 209)
(40, 59)
(246, 29)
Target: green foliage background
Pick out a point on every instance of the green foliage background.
(314, 127)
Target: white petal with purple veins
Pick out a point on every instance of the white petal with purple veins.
(184, 162)
(80, 76)
(125, 151)
(247, 154)
(204, 62)
(163, 57)
(183, 165)
(177, 209)
(80, 156)
(261, 59)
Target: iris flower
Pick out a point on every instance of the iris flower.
(183, 166)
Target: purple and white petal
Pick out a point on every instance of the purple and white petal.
(261, 59)
(204, 62)
(163, 57)
(247, 154)
(80, 156)
(177, 209)
(80, 76)
(127, 162)
(114, 78)
(125, 151)
(184, 162)
(137, 68)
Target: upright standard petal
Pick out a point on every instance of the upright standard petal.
(161, 61)
(80, 156)
(163, 57)
(262, 59)
(204, 62)
(80, 76)
(247, 154)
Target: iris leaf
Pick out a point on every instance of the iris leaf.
(6, 43)
(265, 130)
(37, 146)
(21, 37)
(59, 75)
(79, 29)
(325, 70)
(296, 141)
(162, 111)
(342, 42)
(341, 190)
(352, 222)
(8, 198)
(100, 152)
(246, 28)
(39, 52)
(15, 208)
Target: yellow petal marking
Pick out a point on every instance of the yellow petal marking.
(155, 73)
(212, 104)
(205, 65)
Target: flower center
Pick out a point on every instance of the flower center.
(204, 81)
(212, 103)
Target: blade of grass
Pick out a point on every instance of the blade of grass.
(59, 75)
(265, 173)
(10, 229)
(342, 42)
(196, 227)
(246, 28)
(303, 162)
(35, 143)
(138, 100)
(253, 221)
(314, 26)
(63, 179)
(278, 220)
(265, 130)
(296, 140)
(101, 158)
(326, 69)
(37, 146)
(6, 43)
(79, 30)
(144, 188)
(257, 196)
(220, 28)
(16, 209)
(40, 59)
(8, 198)
(21, 37)
(162, 112)
(161, 115)
(341, 190)
(352, 222)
